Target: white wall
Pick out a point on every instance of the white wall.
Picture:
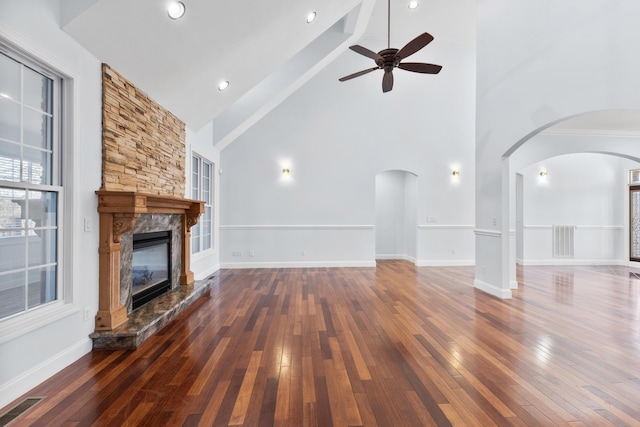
(34, 346)
(336, 136)
(539, 62)
(585, 190)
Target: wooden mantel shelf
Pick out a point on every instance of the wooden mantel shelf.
(119, 211)
(134, 202)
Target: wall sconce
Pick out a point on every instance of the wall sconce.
(456, 173)
(286, 171)
(543, 173)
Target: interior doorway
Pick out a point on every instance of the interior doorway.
(396, 215)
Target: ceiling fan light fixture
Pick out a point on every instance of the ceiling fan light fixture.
(390, 58)
(414, 4)
(223, 85)
(311, 17)
(176, 9)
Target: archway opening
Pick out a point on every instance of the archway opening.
(571, 172)
(396, 215)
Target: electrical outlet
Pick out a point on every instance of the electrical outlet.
(85, 314)
(453, 251)
(252, 252)
(237, 252)
(303, 252)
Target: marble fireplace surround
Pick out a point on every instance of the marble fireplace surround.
(116, 326)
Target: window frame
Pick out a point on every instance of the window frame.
(633, 189)
(64, 162)
(199, 226)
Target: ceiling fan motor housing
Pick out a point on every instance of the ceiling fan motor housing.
(389, 59)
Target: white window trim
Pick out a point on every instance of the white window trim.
(67, 302)
(196, 256)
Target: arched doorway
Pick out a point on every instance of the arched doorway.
(396, 215)
(610, 132)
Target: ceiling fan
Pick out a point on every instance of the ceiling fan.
(390, 58)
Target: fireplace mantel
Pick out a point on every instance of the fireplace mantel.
(119, 211)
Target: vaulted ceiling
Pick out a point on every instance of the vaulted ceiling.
(266, 50)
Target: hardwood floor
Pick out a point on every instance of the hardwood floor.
(391, 346)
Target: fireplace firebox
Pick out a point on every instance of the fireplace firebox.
(151, 266)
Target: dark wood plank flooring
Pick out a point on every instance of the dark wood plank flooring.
(391, 346)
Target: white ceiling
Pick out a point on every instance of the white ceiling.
(265, 49)
(180, 63)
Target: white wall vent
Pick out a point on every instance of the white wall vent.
(563, 241)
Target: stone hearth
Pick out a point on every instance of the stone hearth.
(148, 319)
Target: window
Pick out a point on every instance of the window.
(30, 186)
(202, 189)
(634, 222)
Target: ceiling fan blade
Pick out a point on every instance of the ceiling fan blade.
(419, 67)
(387, 81)
(366, 52)
(358, 74)
(414, 45)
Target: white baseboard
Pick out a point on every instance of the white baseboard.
(492, 290)
(446, 263)
(572, 262)
(18, 386)
(297, 264)
(206, 273)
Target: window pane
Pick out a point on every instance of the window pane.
(42, 247)
(195, 238)
(38, 129)
(12, 295)
(195, 178)
(635, 224)
(43, 208)
(36, 166)
(38, 90)
(206, 228)
(9, 78)
(11, 202)
(9, 120)
(42, 286)
(9, 161)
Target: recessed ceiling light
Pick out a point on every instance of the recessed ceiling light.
(413, 4)
(223, 85)
(176, 9)
(311, 17)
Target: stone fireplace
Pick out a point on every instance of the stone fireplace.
(142, 199)
(123, 215)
